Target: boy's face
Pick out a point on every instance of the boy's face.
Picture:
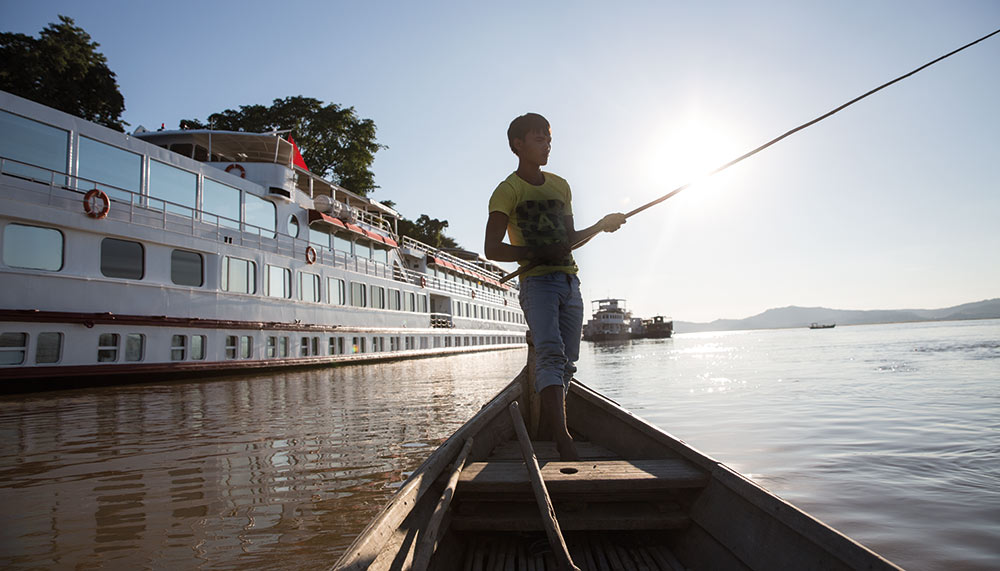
(535, 147)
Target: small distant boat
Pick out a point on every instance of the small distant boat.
(822, 325)
(638, 498)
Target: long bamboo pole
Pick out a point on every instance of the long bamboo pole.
(549, 521)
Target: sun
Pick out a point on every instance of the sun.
(686, 151)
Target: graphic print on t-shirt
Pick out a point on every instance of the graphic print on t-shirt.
(543, 222)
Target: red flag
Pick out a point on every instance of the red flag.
(297, 160)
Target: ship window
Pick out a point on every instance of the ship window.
(182, 149)
(107, 348)
(220, 203)
(423, 303)
(48, 347)
(246, 347)
(200, 153)
(122, 259)
(293, 226)
(231, 344)
(309, 286)
(198, 347)
(239, 275)
(341, 244)
(304, 347)
(12, 348)
(178, 347)
(100, 162)
(135, 343)
(261, 215)
(172, 188)
(186, 268)
(381, 255)
(395, 299)
(319, 237)
(378, 297)
(358, 298)
(32, 247)
(271, 347)
(283, 346)
(336, 291)
(362, 250)
(409, 301)
(31, 142)
(279, 282)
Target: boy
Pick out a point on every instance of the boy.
(535, 208)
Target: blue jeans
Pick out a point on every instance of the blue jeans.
(553, 308)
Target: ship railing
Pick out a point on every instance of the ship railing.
(478, 293)
(65, 191)
(412, 244)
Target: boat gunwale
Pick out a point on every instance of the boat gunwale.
(369, 543)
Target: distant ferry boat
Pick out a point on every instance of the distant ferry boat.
(125, 256)
(611, 321)
(659, 327)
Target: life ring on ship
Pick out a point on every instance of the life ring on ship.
(92, 209)
(310, 255)
(236, 167)
(423, 281)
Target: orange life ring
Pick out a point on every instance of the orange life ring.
(234, 166)
(423, 281)
(92, 209)
(310, 255)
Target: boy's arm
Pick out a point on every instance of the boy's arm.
(496, 249)
(609, 223)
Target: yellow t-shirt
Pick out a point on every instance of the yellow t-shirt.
(537, 216)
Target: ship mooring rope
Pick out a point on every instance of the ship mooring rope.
(764, 146)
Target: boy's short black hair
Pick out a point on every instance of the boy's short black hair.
(527, 123)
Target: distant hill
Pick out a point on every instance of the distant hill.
(792, 316)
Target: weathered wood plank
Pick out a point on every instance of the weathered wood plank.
(548, 513)
(516, 516)
(546, 450)
(605, 476)
(428, 540)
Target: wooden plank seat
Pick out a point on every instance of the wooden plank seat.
(582, 516)
(608, 478)
(546, 450)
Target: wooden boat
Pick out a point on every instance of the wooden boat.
(638, 499)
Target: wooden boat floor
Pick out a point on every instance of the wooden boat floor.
(590, 552)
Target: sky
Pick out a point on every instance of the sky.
(893, 203)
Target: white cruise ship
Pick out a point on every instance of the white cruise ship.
(126, 257)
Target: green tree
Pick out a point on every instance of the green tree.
(333, 141)
(428, 230)
(62, 69)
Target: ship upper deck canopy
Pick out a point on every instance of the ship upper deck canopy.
(237, 146)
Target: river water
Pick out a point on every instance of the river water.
(889, 433)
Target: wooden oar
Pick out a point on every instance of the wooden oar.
(427, 542)
(551, 524)
(673, 192)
